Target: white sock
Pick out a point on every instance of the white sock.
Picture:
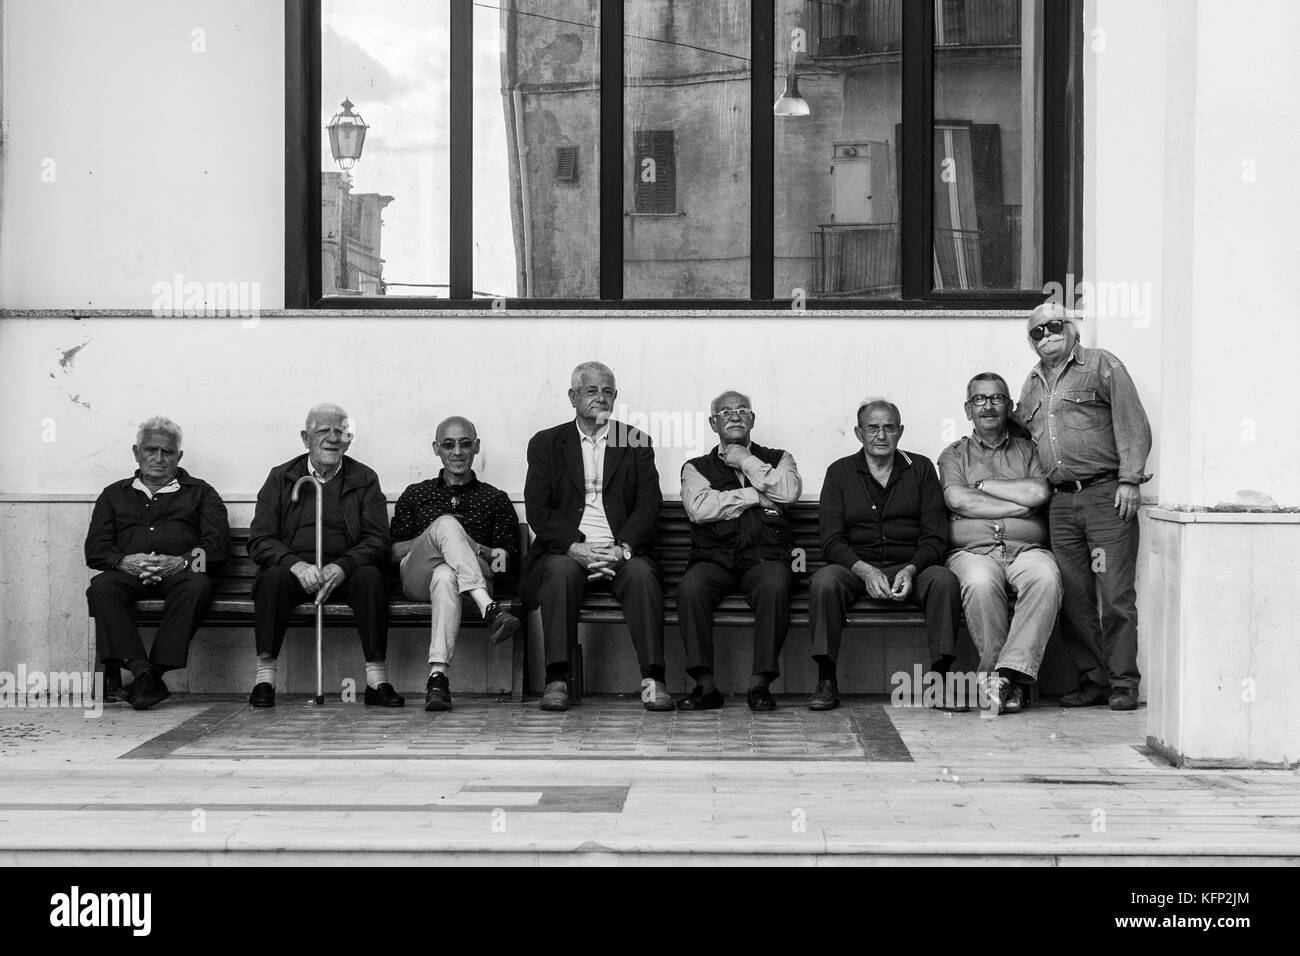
(266, 671)
(376, 673)
(437, 668)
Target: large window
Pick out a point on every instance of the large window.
(647, 153)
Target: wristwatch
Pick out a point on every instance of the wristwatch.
(627, 552)
(979, 485)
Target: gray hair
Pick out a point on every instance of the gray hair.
(593, 368)
(871, 404)
(988, 377)
(713, 405)
(158, 425)
(325, 408)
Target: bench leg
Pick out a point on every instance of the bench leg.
(519, 663)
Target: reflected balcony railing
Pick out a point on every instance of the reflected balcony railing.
(852, 28)
(855, 259)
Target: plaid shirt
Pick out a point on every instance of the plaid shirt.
(484, 510)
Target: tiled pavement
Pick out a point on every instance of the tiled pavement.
(210, 781)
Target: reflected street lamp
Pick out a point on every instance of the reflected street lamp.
(790, 103)
(347, 136)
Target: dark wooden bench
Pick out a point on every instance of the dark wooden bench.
(232, 603)
(673, 545)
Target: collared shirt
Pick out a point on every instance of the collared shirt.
(971, 459)
(594, 524)
(705, 504)
(483, 510)
(166, 489)
(1089, 419)
(316, 474)
(127, 520)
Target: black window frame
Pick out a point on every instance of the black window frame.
(1061, 166)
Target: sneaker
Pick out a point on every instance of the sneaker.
(501, 623)
(437, 692)
(996, 688)
(1087, 694)
(148, 690)
(825, 697)
(556, 696)
(655, 696)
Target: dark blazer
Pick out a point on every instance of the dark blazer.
(554, 493)
(365, 515)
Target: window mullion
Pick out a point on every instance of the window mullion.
(762, 174)
(916, 151)
(611, 150)
(461, 264)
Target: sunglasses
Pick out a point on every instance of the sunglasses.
(1050, 327)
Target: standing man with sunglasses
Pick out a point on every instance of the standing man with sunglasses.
(1083, 410)
(450, 535)
(735, 497)
(995, 489)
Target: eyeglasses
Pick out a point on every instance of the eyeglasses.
(451, 444)
(743, 413)
(1052, 326)
(979, 401)
(882, 429)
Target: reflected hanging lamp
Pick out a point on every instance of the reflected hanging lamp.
(347, 136)
(790, 103)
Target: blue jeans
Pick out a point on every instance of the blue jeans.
(1087, 534)
(1034, 578)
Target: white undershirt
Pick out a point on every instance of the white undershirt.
(594, 525)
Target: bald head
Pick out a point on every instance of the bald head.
(463, 425)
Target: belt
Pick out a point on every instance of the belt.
(1070, 487)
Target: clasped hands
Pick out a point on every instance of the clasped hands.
(878, 586)
(601, 560)
(320, 582)
(151, 568)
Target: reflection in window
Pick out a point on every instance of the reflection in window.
(987, 144)
(836, 202)
(686, 134)
(384, 221)
(537, 148)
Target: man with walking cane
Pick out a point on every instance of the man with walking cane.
(353, 548)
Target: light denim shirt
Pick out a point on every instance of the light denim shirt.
(1089, 420)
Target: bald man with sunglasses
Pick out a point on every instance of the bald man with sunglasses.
(1083, 411)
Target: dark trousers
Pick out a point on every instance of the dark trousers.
(276, 591)
(766, 587)
(186, 597)
(563, 584)
(935, 590)
(1087, 534)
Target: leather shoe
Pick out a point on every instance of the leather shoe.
(437, 692)
(263, 695)
(501, 623)
(760, 698)
(825, 697)
(1087, 694)
(698, 700)
(1124, 698)
(148, 690)
(383, 696)
(556, 696)
(1014, 702)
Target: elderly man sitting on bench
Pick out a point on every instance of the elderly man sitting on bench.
(282, 540)
(147, 535)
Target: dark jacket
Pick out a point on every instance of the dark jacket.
(554, 493)
(752, 536)
(365, 515)
(125, 521)
(910, 528)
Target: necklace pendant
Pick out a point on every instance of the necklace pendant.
(455, 501)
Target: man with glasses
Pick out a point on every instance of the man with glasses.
(450, 535)
(884, 531)
(592, 498)
(354, 539)
(995, 489)
(740, 539)
(1083, 410)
